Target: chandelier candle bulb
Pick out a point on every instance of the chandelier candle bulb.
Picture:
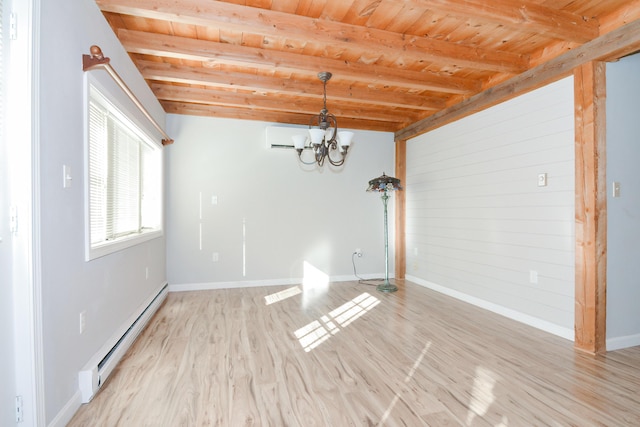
(317, 135)
(345, 138)
(298, 141)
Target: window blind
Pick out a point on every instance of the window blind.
(124, 175)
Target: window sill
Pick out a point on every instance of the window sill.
(103, 249)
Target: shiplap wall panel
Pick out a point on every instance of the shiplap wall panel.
(477, 222)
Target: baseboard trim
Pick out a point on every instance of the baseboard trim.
(207, 286)
(619, 343)
(67, 412)
(535, 322)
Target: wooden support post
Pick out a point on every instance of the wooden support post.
(590, 208)
(400, 243)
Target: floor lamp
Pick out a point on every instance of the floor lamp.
(385, 184)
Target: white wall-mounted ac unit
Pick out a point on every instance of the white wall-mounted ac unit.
(281, 136)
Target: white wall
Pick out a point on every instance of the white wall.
(110, 288)
(623, 213)
(290, 213)
(478, 223)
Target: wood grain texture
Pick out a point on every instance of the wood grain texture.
(401, 208)
(590, 207)
(610, 46)
(449, 50)
(351, 356)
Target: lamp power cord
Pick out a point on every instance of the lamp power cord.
(361, 279)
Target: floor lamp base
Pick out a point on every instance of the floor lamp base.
(387, 287)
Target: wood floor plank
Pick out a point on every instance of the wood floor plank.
(347, 355)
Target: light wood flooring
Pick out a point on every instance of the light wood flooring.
(348, 355)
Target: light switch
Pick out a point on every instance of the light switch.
(66, 176)
(616, 189)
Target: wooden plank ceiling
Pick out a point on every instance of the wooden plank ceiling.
(394, 62)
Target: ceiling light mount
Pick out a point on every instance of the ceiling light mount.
(323, 137)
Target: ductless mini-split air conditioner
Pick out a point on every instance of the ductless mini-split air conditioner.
(282, 136)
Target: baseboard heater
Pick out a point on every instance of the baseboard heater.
(95, 374)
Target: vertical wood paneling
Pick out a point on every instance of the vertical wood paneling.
(400, 245)
(591, 208)
(478, 224)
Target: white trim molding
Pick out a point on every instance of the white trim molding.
(498, 309)
(206, 286)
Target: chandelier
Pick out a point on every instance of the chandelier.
(323, 138)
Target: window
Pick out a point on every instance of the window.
(124, 179)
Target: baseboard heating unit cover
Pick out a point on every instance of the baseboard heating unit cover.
(96, 372)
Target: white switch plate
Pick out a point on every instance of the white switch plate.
(616, 189)
(533, 276)
(215, 257)
(542, 180)
(66, 176)
(214, 200)
(83, 321)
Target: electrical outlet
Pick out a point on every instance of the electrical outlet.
(542, 180)
(358, 252)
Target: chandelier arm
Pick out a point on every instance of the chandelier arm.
(338, 162)
(334, 125)
(302, 160)
(321, 154)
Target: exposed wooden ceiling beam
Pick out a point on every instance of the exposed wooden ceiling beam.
(269, 116)
(225, 53)
(336, 91)
(266, 22)
(621, 41)
(522, 16)
(281, 103)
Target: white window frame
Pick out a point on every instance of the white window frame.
(128, 116)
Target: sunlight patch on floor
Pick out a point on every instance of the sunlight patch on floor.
(410, 375)
(315, 333)
(351, 310)
(482, 394)
(282, 295)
